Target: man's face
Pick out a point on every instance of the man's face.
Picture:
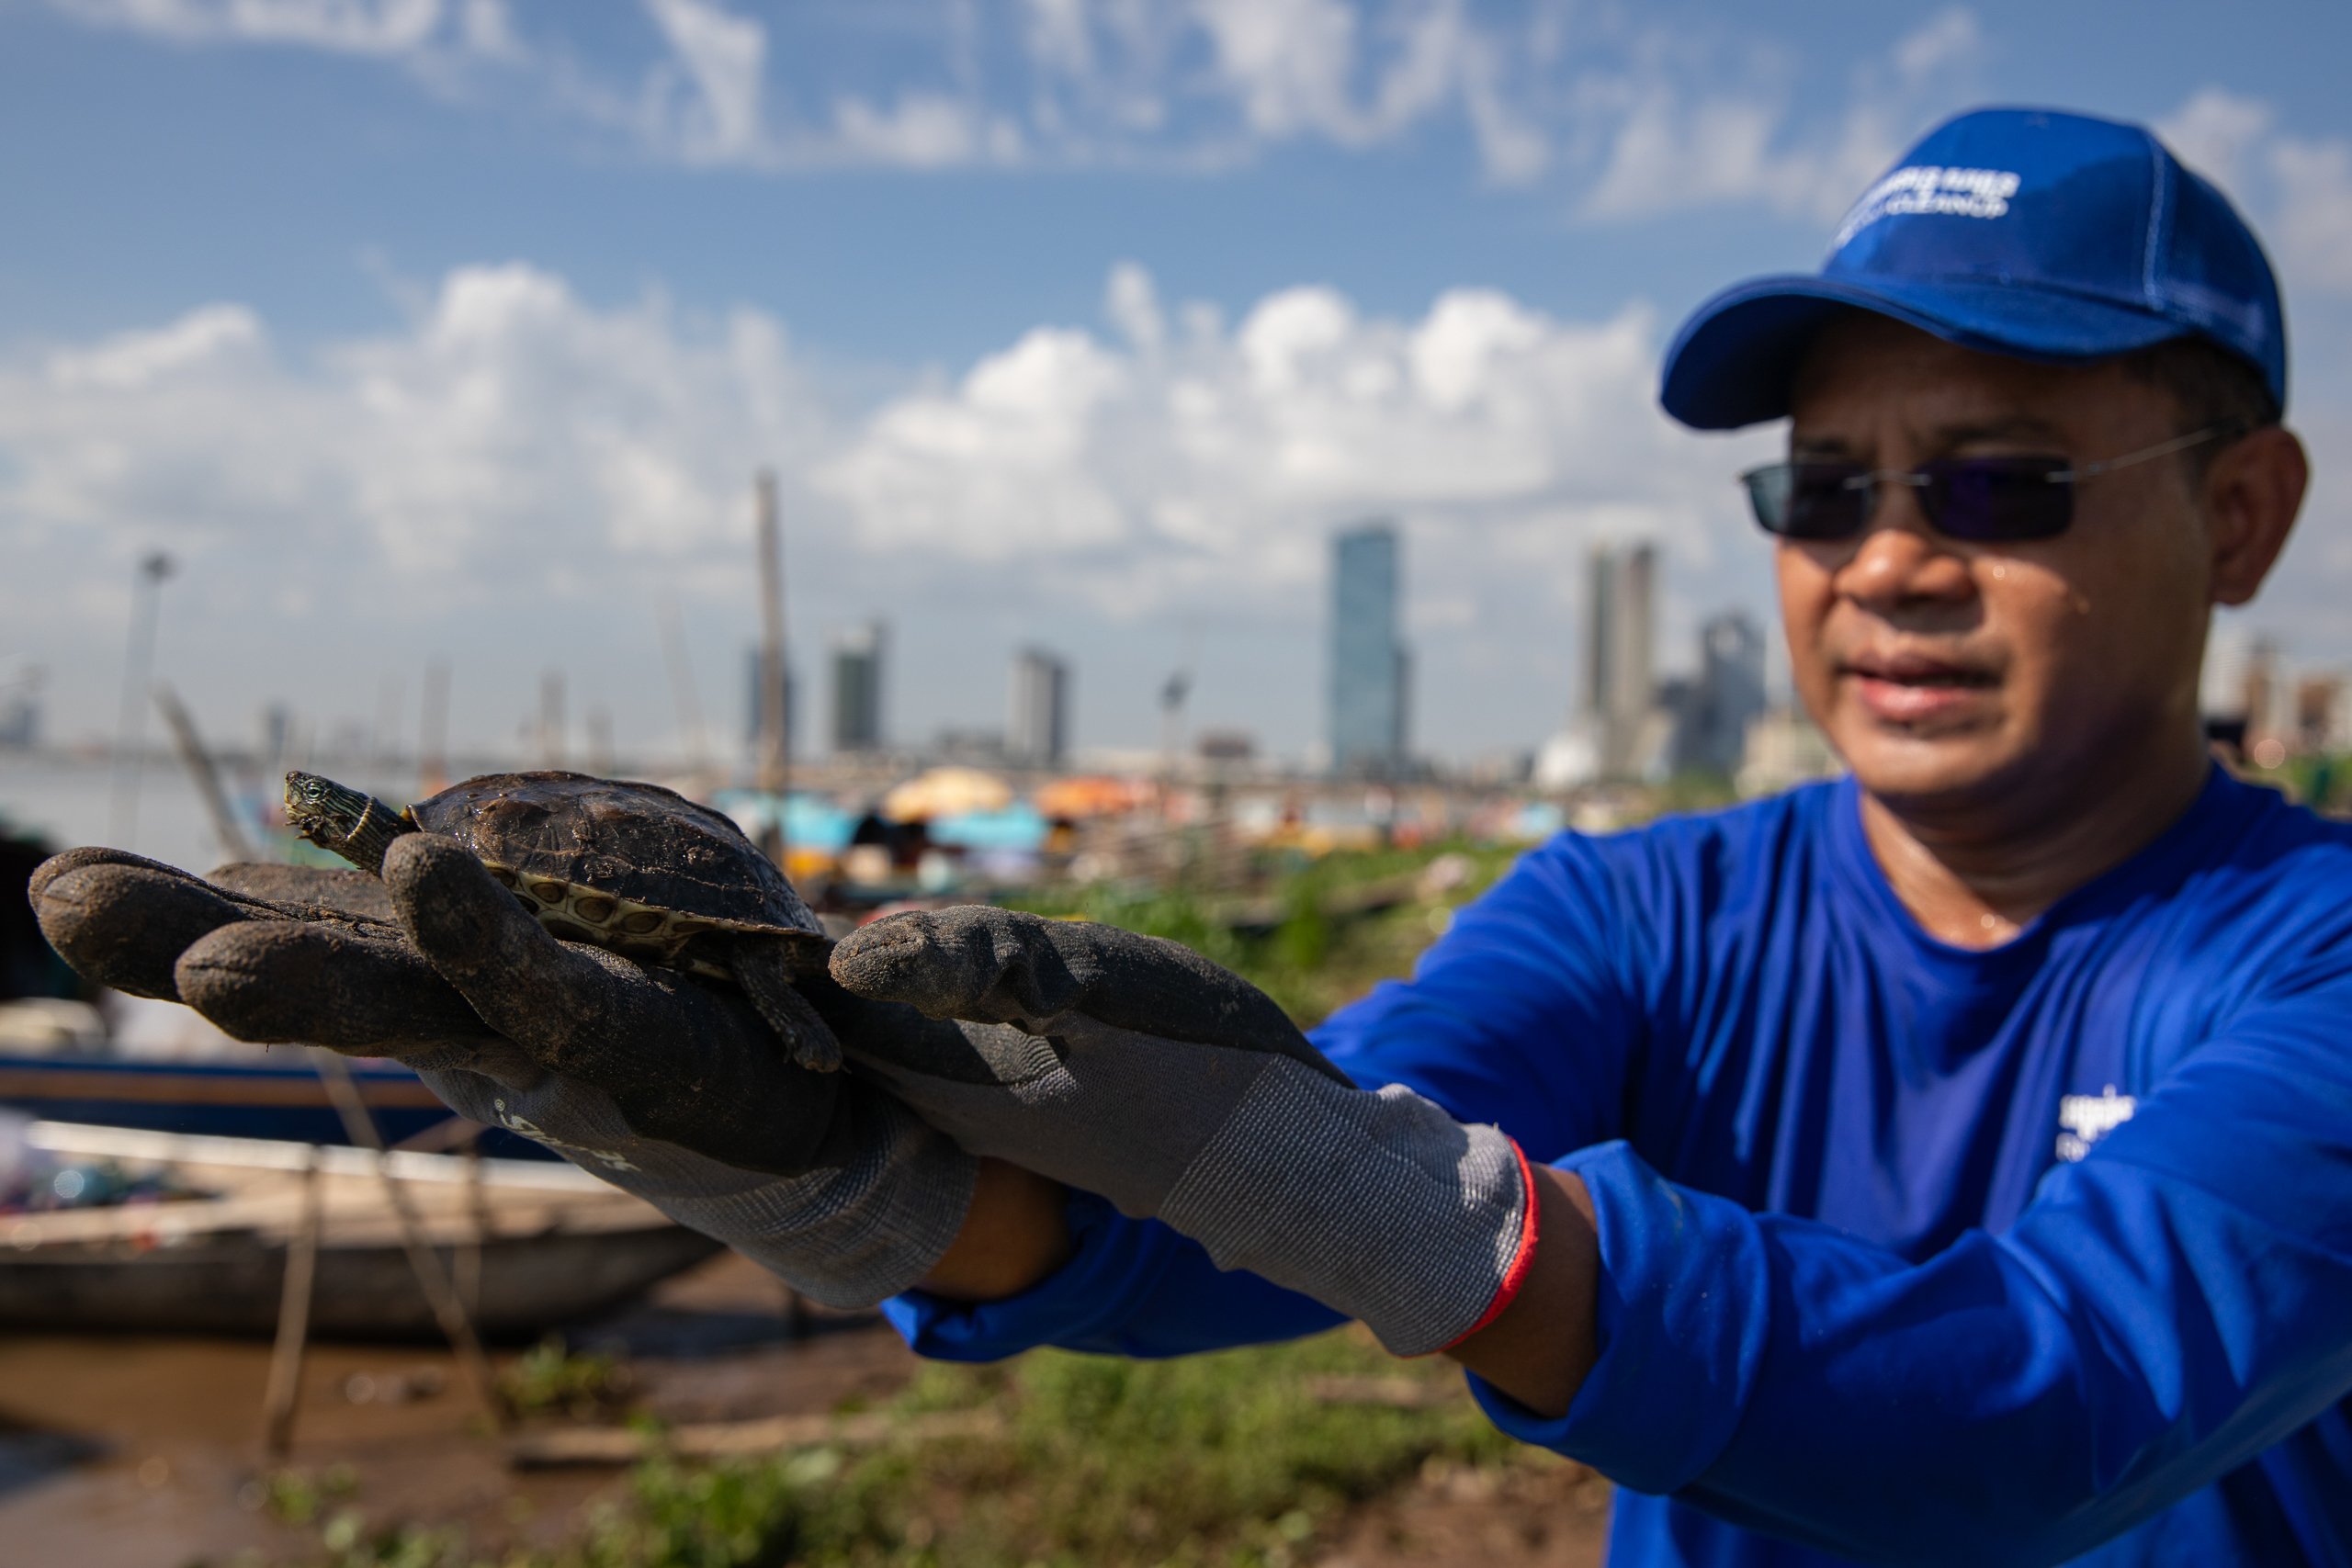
(1953, 675)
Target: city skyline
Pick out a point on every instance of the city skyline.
(1049, 338)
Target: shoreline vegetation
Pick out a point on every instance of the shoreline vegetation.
(1260, 1455)
(1248, 1456)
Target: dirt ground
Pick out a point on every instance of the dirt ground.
(144, 1452)
(1556, 1516)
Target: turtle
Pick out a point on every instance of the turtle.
(633, 867)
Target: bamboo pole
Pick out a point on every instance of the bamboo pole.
(691, 734)
(431, 1277)
(204, 772)
(284, 1390)
(433, 731)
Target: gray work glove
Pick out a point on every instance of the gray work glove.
(1136, 1069)
(666, 1088)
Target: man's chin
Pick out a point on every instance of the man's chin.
(1930, 770)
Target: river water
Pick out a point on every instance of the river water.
(67, 799)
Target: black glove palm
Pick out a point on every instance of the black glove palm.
(436, 965)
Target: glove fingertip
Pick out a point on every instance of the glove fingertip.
(448, 902)
(228, 976)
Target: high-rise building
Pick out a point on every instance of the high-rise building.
(1036, 731)
(1370, 666)
(1715, 709)
(19, 720)
(1619, 678)
(857, 656)
(275, 733)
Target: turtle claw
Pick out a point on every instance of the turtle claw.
(818, 1054)
(764, 970)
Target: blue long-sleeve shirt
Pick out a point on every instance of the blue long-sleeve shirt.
(1909, 1252)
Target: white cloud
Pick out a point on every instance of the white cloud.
(1204, 468)
(1951, 40)
(511, 419)
(210, 338)
(388, 28)
(525, 468)
(1514, 147)
(1679, 140)
(2296, 191)
(723, 56)
(1291, 65)
(1635, 118)
(1132, 301)
(920, 130)
(2312, 216)
(2214, 132)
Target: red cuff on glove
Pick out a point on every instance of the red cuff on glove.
(1522, 1261)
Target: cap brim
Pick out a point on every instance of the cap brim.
(1734, 361)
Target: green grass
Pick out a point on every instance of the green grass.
(1224, 1459)
(551, 1379)
(1313, 962)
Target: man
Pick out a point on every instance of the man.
(1952, 1163)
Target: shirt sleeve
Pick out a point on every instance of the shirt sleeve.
(1517, 1017)
(2163, 1311)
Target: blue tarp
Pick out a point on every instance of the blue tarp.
(810, 821)
(1014, 827)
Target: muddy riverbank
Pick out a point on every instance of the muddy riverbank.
(144, 1452)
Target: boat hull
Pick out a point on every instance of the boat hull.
(523, 1286)
(284, 1102)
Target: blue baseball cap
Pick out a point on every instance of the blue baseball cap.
(2027, 232)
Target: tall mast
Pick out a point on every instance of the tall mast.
(775, 759)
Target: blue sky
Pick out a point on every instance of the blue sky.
(453, 328)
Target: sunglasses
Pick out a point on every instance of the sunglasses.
(1982, 500)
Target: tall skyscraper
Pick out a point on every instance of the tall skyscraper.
(1370, 665)
(1710, 730)
(857, 656)
(1620, 672)
(1600, 583)
(1036, 731)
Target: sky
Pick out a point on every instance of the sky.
(455, 330)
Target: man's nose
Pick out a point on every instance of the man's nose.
(1901, 560)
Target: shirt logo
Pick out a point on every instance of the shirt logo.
(523, 1125)
(2087, 1118)
(1930, 188)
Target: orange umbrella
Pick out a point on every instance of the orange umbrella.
(1086, 795)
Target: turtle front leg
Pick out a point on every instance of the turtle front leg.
(763, 968)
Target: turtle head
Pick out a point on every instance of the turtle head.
(350, 822)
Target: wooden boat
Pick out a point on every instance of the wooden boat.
(529, 1244)
(281, 1097)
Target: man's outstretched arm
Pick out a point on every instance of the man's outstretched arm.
(1537, 1350)
(1014, 1236)
(1520, 1016)
(2163, 1311)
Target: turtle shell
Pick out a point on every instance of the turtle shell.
(632, 865)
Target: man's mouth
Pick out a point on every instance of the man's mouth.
(1910, 688)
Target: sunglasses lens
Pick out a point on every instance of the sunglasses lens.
(1808, 501)
(1995, 498)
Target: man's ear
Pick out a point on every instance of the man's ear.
(2253, 490)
